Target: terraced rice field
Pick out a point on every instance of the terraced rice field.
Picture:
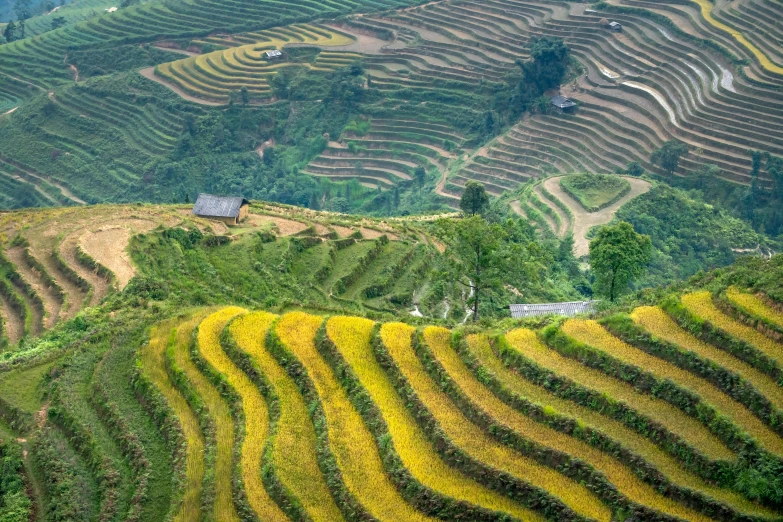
(218, 75)
(55, 263)
(400, 423)
(642, 87)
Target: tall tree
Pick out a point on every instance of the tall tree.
(618, 255)
(668, 156)
(474, 199)
(421, 176)
(474, 254)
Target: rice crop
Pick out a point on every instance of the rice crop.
(659, 324)
(700, 304)
(659, 459)
(294, 444)
(254, 409)
(154, 367)
(219, 412)
(476, 443)
(591, 333)
(754, 305)
(349, 439)
(524, 342)
(352, 339)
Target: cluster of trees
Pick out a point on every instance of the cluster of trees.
(487, 253)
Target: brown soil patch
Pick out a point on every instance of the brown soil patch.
(13, 326)
(285, 227)
(342, 231)
(320, 229)
(108, 247)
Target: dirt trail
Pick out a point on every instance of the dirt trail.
(565, 221)
(149, 73)
(13, 326)
(51, 300)
(584, 220)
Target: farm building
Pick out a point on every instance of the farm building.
(519, 311)
(274, 54)
(229, 210)
(615, 26)
(562, 103)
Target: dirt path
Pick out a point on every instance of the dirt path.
(565, 221)
(13, 326)
(584, 220)
(51, 300)
(149, 73)
(75, 73)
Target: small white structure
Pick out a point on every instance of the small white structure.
(616, 27)
(570, 309)
(111, 9)
(274, 54)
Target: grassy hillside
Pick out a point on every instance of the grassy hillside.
(156, 407)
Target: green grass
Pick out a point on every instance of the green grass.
(595, 191)
(22, 387)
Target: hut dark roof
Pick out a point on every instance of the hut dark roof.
(218, 206)
(562, 102)
(569, 309)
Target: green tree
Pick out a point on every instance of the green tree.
(474, 199)
(245, 96)
(668, 156)
(421, 176)
(549, 61)
(634, 169)
(618, 255)
(9, 33)
(57, 22)
(474, 254)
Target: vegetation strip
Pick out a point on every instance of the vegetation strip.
(621, 480)
(349, 439)
(746, 384)
(350, 341)
(153, 362)
(591, 333)
(291, 471)
(653, 465)
(701, 305)
(463, 444)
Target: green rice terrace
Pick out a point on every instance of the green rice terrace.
(391, 260)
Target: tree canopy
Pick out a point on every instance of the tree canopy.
(618, 255)
(474, 199)
(668, 156)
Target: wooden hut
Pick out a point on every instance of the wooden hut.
(228, 209)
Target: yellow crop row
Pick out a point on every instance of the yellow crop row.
(153, 365)
(349, 439)
(524, 343)
(591, 333)
(219, 412)
(294, 444)
(253, 407)
(476, 443)
(754, 305)
(655, 321)
(621, 476)
(352, 338)
(701, 305)
(526, 340)
(706, 11)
